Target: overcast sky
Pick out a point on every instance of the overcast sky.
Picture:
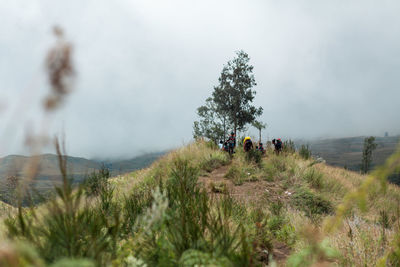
(323, 68)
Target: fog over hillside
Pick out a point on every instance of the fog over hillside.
(324, 69)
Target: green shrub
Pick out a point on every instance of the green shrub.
(96, 182)
(236, 175)
(69, 226)
(305, 152)
(269, 172)
(384, 220)
(279, 163)
(219, 187)
(211, 144)
(189, 222)
(192, 258)
(276, 208)
(254, 156)
(287, 234)
(311, 203)
(213, 161)
(289, 147)
(275, 223)
(133, 206)
(314, 178)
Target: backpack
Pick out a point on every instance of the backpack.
(248, 145)
(279, 144)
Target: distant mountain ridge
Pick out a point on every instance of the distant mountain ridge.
(347, 152)
(48, 173)
(77, 166)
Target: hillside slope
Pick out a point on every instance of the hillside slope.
(48, 173)
(347, 152)
(253, 211)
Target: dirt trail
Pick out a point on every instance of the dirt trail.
(250, 191)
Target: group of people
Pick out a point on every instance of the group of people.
(248, 145)
(230, 144)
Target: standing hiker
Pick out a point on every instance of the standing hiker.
(261, 148)
(221, 145)
(231, 143)
(247, 144)
(278, 145)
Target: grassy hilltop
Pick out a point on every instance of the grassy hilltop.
(196, 206)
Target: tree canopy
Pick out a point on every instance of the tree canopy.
(230, 105)
(234, 95)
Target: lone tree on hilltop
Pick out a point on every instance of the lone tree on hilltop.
(230, 105)
(259, 126)
(234, 95)
(369, 146)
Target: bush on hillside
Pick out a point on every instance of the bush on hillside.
(289, 146)
(314, 178)
(133, 206)
(96, 182)
(276, 207)
(254, 156)
(213, 161)
(269, 172)
(219, 187)
(311, 203)
(236, 174)
(279, 163)
(69, 227)
(305, 152)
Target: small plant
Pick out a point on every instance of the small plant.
(311, 203)
(192, 224)
(289, 147)
(275, 223)
(69, 228)
(384, 219)
(279, 163)
(97, 182)
(287, 234)
(305, 152)
(269, 172)
(213, 161)
(134, 205)
(235, 174)
(254, 156)
(219, 188)
(314, 178)
(276, 208)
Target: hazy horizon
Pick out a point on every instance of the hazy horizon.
(324, 70)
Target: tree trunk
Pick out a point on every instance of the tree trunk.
(235, 127)
(224, 121)
(260, 136)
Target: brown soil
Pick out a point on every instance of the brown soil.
(253, 192)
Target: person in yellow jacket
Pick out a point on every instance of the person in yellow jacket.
(247, 144)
